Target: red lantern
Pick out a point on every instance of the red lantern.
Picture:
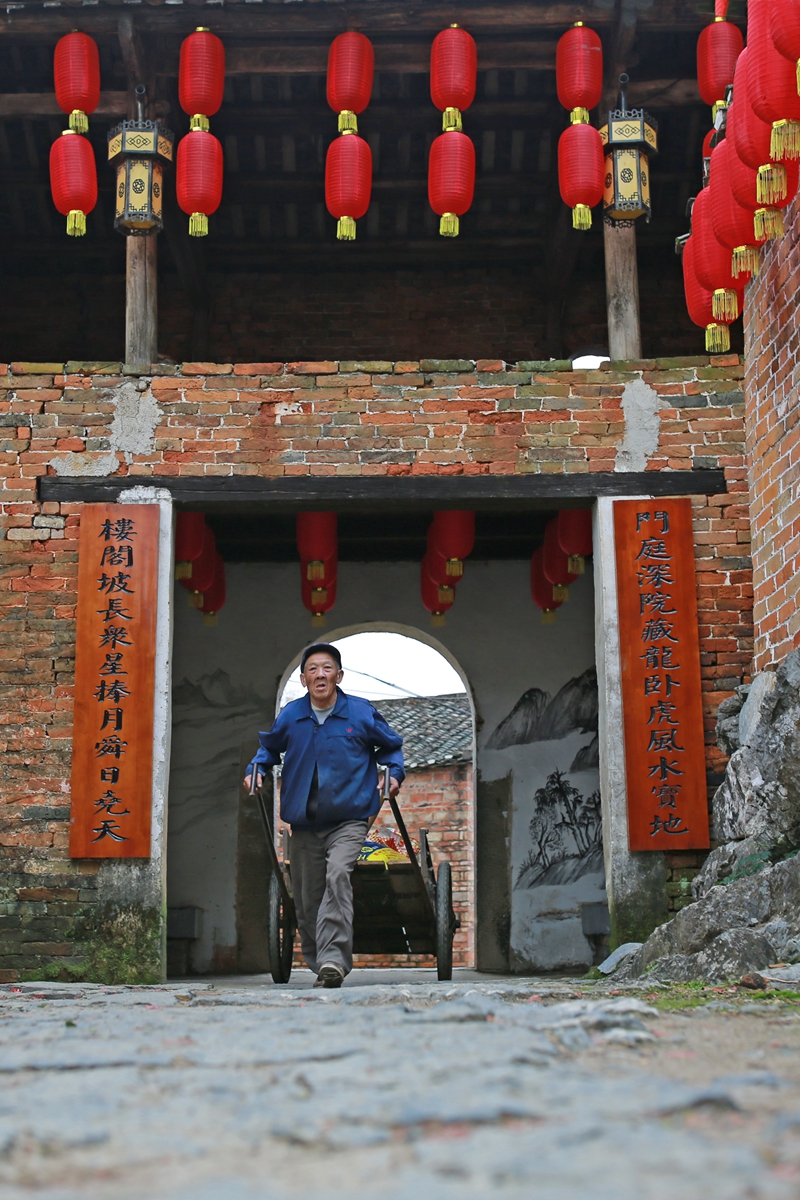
(73, 180)
(579, 71)
(767, 220)
(203, 569)
(436, 598)
(707, 140)
(718, 48)
(351, 64)
(199, 178)
(213, 598)
(580, 172)
(348, 183)
(451, 179)
(784, 19)
(542, 588)
(772, 84)
(201, 76)
(189, 535)
(575, 537)
(454, 74)
(733, 224)
(76, 67)
(316, 536)
(452, 537)
(752, 139)
(700, 305)
(318, 600)
(555, 563)
(712, 261)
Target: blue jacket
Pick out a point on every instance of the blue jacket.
(345, 751)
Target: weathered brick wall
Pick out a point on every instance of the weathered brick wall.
(379, 418)
(772, 333)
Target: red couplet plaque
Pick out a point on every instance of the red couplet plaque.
(660, 657)
(112, 755)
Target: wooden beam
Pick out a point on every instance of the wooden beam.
(141, 300)
(415, 492)
(622, 292)
(44, 104)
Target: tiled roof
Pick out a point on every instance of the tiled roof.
(436, 730)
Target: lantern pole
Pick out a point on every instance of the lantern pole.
(622, 291)
(141, 301)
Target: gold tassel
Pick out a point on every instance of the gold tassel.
(454, 568)
(319, 596)
(718, 339)
(451, 119)
(725, 304)
(209, 618)
(78, 121)
(315, 569)
(198, 225)
(318, 621)
(183, 570)
(581, 217)
(448, 225)
(767, 223)
(346, 229)
(198, 121)
(195, 599)
(716, 107)
(576, 564)
(560, 592)
(744, 260)
(785, 140)
(797, 69)
(348, 121)
(579, 116)
(771, 183)
(437, 620)
(446, 594)
(548, 616)
(76, 223)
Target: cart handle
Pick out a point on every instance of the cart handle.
(401, 825)
(272, 852)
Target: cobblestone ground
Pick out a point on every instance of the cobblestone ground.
(401, 1090)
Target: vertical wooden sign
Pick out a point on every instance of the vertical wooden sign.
(660, 658)
(112, 755)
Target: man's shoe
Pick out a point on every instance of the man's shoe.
(331, 975)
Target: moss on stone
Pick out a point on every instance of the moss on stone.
(121, 944)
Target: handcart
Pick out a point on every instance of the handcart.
(399, 907)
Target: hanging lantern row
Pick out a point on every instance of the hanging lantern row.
(579, 83)
(750, 161)
(451, 539)
(199, 166)
(348, 165)
(451, 164)
(560, 560)
(199, 567)
(318, 548)
(73, 173)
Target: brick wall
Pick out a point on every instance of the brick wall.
(772, 332)
(404, 418)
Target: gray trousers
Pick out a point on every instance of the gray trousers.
(322, 863)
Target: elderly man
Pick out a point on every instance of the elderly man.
(330, 796)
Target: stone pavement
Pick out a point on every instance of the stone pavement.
(398, 1087)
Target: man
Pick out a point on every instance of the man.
(330, 797)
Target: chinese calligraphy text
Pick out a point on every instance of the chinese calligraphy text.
(660, 660)
(112, 757)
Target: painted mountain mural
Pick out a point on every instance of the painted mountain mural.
(538, 718)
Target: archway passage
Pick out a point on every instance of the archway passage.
(424, 698)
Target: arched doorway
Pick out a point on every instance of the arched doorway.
(422, 692)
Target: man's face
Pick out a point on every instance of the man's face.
(321, 676)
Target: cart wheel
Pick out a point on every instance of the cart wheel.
(445, 924)
(280, 936)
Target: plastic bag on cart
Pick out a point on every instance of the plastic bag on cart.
(385, 845)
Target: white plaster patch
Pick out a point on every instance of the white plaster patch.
(84, 462)
(135, 420)
(641, 406)
(284, 407)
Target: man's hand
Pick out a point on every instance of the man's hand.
(394, 787)
(248, 780)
